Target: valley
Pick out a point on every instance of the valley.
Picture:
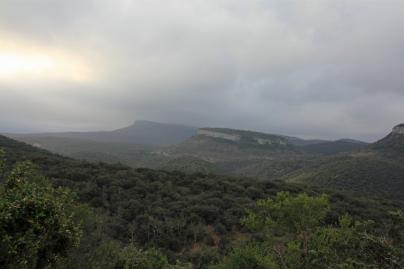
(345, 164)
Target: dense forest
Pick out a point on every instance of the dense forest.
(64, 213)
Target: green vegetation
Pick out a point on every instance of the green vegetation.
(143, 218)
(295, 235)
(369, 174)
(392, 147)
(334, 147)
(37, 222)
(344, 164)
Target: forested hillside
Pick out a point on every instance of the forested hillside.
(192, 218)
(375, 170)
(391, 146)
(371, 175)
(348, 165)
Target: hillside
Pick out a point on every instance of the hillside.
(201, 152)
(266, 156)
(391, 146)
(370, 175)
(347, 165)
(376, 169)
(192, 217)
(335, 147)
(186, 215)
(217, 144)
(178, 204)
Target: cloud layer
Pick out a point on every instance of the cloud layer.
(314, 68)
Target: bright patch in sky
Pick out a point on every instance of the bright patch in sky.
(43, 64)
(15, 64)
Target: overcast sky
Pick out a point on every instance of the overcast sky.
(311, 68)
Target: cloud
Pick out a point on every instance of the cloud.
(313, 68)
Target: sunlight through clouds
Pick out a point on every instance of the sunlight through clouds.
(18, 62)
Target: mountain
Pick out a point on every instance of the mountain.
(304, 142)
(241, 152)
(349, 165)
(371, 175)
(391, 146)
(376, 169)
(221, 144)
(219, 150)
(141, 132)
(153, 133)
(209, 150)
(257, 154)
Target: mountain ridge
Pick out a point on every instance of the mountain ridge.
(374, 169)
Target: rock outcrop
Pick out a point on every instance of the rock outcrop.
(399, 129)
(215, 134)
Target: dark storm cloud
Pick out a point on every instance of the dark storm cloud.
(314, 68)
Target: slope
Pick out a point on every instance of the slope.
(377, 169)
(186, 215)
(370, 174)
(141, 132)
(391, 146)
(335, 147)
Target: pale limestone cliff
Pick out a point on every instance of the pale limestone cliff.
(232, 137)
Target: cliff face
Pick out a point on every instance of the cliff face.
(216, 134)
(243, 136)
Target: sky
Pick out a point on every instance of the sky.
(311, 68)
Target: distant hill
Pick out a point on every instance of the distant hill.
(220, 144)
(242, 152)
(375, 169)
(335, 147)
(209, 150)
(349, 165)
(391, 146)
(221, 150)
(141, 132)
(370, 174)
(304, 142)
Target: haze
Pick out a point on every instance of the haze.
(313, 68)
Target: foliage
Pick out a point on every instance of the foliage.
(250, 256)
(135, 258)
(297, 214)
(37, 225)
(189, 218)
(295, 236)
(369, 174)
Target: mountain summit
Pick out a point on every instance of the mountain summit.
(154, 133)
(399, 129)
(140, 132)
(393, 144)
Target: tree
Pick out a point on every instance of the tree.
(249, 256)
(37, 224)
(136, 258)
(295, 236)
